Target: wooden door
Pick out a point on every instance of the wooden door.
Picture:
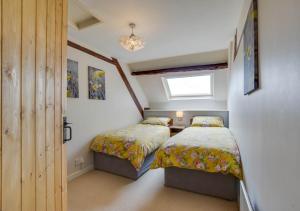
(32, 92)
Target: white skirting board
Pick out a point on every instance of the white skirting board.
(80, 172)
(244, 201)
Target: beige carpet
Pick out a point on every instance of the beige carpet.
(98, 190)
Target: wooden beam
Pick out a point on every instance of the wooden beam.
(90, 52)
(131, 92)
(115, 62)
(183, 69)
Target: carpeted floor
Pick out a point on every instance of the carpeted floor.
(98, 190)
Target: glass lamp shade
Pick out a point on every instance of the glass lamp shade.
(132, 43)
(179, 114)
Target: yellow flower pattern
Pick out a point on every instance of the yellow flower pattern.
(133, 143)
(207, 121)
(157, 121)
(208, 149)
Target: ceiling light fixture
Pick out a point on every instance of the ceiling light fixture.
(132, 43)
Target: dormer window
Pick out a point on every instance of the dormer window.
(188, 87)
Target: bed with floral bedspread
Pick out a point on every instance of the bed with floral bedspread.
(133, 143)
(209, 149)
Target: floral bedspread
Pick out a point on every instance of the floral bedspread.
(208, 149)
(133, 143)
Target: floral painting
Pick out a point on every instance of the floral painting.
(251, 50)
(72, 77)
(96, 79)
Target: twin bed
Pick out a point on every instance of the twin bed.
(203, 158)
(129, 152)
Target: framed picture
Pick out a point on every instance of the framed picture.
(96, 79)
(72, 77)
(251, 80)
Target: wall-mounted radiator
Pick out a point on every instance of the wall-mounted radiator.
(245, 204)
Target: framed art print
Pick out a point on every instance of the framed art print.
(72, 79)
(96, 79)
(251, 80)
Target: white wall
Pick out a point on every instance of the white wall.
(266, 123)
(91, 117)
(154, 90)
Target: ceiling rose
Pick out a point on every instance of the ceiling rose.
(132, 43)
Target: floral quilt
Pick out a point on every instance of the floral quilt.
(210, 149)
(133, 143)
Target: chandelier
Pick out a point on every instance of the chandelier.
(132, 43)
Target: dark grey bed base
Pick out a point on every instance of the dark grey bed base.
(213, 184)
(120, 166)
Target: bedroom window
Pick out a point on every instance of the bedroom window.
(188, 87)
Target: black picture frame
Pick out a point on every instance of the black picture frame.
(251, 66)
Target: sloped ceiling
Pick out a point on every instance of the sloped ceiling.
(170, 28)
(154, 89)
(155, 92)
(181, 61)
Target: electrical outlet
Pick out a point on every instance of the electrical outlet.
(76, 162)
(79, 162)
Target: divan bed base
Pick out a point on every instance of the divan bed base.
(212, 184)
(122, 167)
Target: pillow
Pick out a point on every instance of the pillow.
(207, 121)
(157, 121)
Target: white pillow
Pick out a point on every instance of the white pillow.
(157, 121)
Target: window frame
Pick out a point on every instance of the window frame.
(188, 97)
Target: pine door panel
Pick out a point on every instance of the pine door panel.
(32, 92)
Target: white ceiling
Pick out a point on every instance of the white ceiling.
(169, 27)
(211, 57)
(77, 12)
